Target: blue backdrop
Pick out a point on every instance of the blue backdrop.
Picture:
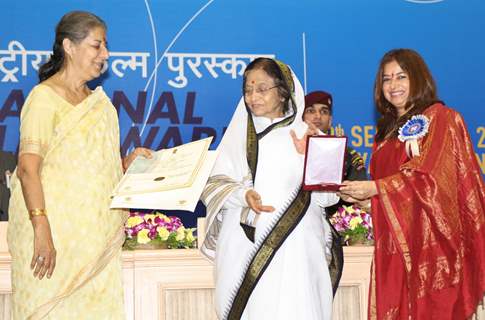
(175, 66)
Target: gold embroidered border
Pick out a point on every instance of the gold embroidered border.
(372, 313)
(396, 226)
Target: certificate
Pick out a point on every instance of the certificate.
(324, 163)
(173, 179)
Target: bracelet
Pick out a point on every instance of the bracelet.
(37, 212)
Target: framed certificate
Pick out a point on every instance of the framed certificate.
(324, 162)
(173, 179)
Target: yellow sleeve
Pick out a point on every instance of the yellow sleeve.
(37, 123)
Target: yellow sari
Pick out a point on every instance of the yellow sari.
(81, 166)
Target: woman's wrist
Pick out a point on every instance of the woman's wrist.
(365, 204)
(247, 193)
(373, 191)
(39, 222)
(37, 212)
(123, 164)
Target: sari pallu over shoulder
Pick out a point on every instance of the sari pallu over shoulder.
(435, 208)
(84, 117)
(241, 161)
(283, 224)
(287, 222)
(92, 108)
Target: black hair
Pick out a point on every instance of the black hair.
(74, 26)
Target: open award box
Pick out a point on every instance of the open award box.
(324, 162)
(173, 179)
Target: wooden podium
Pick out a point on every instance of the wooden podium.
(178, 284)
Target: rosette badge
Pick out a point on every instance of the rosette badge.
(414, 129)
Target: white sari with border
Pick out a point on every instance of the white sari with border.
(296, 284)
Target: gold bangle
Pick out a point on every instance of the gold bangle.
(37, 212)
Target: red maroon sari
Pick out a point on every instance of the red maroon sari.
(429, 224)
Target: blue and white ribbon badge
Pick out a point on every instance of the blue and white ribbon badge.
(414, 129)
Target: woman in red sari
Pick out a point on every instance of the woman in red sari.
(428, 201)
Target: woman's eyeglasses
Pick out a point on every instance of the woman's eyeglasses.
(258, 90)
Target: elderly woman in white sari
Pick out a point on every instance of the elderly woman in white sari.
(270, 240)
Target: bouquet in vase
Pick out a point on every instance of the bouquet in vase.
(155, 230)
(353, 224)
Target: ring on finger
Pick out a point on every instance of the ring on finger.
(40, 259)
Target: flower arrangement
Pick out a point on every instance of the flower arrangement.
(353, 224)
(156, 230)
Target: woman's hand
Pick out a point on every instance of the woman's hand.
(339, 131)
(354, 191)
(254, 202)
(363, 204)
(300, 144)
(44, 257)
(347, 198)
(147, 153)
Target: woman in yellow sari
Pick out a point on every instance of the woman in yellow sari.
(69, 163)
